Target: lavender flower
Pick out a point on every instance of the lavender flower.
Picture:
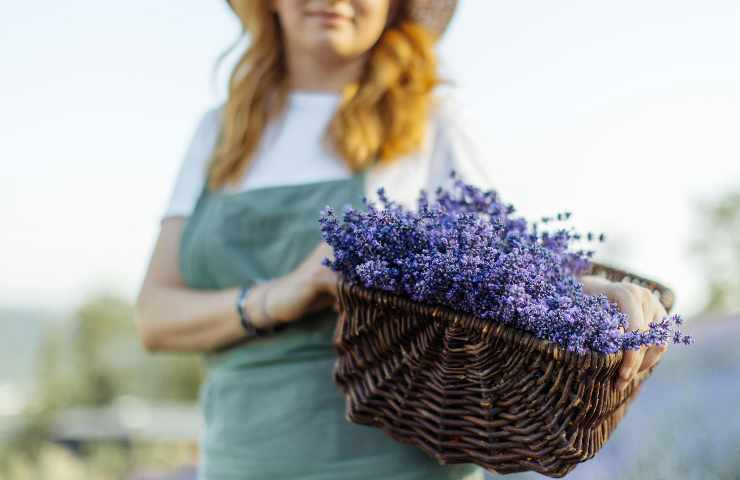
(465, 250)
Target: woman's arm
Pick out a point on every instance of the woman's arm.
(170, 316)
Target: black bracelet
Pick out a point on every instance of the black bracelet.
(246, 322)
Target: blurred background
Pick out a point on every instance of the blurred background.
(626, 114)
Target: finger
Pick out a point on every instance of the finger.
(322, 301)
(655, 351)
(630, 362)
(649, 309)
(326, 250)
(331, 286)
(630, 304)
(652, 356)
(326, 280)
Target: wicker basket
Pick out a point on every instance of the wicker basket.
(466, 390)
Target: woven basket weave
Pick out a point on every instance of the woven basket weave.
(466, 390)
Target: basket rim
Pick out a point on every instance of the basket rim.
(667, 295)
(589, 358)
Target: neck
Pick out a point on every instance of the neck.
(322, 73)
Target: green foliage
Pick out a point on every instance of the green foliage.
(102, 461)
(101, 358)
(716, 247)
(90, 360)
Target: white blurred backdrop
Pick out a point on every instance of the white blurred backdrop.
(624, 113)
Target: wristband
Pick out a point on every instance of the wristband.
(246, 322)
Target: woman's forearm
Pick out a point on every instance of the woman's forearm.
(182, 319)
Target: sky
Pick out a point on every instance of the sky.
(625, 113)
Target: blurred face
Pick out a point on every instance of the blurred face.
(337, 29)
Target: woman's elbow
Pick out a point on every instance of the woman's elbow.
(148, 335)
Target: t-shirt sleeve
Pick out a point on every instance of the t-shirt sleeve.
(191, 176)
(458, 145)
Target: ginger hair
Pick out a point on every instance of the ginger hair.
(380, 117)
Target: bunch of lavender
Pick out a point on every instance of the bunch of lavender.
(466, 251)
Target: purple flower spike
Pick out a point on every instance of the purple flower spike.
(465, 250)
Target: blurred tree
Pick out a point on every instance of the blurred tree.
(716, 248)
(100, 358)
(90, 360)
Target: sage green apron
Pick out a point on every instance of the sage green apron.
(271, 410)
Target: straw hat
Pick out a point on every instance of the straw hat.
(433, 14)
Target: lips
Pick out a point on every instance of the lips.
(328, 15)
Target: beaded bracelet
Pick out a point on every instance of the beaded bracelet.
(246, 322)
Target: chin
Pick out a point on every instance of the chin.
(330, 45)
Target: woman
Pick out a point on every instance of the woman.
(332, 100)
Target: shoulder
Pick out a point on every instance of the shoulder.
(209, 122)
(449, 112)
(453, 127)
(204, 138)
(191, 175)
(457, 140)
(454, 141)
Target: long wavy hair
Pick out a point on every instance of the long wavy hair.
(380, 117)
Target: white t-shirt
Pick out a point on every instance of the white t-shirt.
(291, 152)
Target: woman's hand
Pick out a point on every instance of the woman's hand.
(641, 307)
(322, 279)
(309, 288)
